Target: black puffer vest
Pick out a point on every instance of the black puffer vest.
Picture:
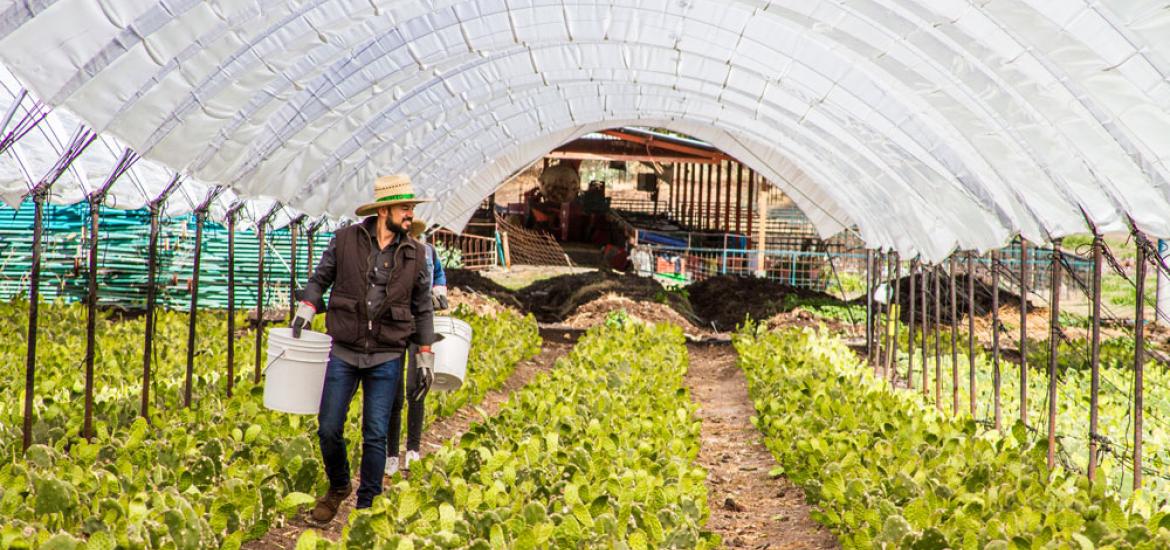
(349, 321)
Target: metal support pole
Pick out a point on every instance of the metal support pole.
(1139, 365)
(892, 354)
(869, 307)
(995, 374)
(91, 300)
(96, 199)
(1023, 330)
(937, 272)
(151, 294)
(884, 353)
(292, 272)
(1095, 355)
(971, 327)
(913, 316)
(309, 235)
(1162, 280)
(193, 314)
(259, 301)
(30, 365)
(1053, 346)
(925, 332)
(954, 340)
(231, 312)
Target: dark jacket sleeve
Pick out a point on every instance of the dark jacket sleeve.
(322, 278)
(440, 277)
(422, 310)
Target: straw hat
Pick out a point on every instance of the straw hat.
(388, 191)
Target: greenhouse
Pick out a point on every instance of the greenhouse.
(644, 273)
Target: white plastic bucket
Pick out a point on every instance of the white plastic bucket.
(451, 353)
(295, 374)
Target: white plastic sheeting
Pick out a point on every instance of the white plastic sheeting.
(928, 124)
(31, 158)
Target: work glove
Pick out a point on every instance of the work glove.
(426, 373)
(439, 298)
(303, 318)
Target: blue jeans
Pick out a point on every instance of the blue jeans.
(341, 383)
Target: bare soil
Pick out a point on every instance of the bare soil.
(434, 436)
(749, 509)
(472, 282)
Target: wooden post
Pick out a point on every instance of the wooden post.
(692, 214)
(751, 197)
(718, 186)
(507, 250)
(726, 198)
(738, 196)
(762, 237)
(1095, 355)
(1053, 346)
(707, 189)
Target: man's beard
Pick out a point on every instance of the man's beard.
(397, 228)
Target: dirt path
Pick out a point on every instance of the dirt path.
(434, 436)
(748, 508)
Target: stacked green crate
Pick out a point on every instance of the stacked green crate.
(124, 238)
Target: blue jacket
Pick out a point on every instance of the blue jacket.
(437, 275)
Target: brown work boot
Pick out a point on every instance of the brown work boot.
(327, 505)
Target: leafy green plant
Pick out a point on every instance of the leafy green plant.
(213, 475)
(886, 470)
(451, 258)
(597, 453)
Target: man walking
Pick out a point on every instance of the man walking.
(380, 304)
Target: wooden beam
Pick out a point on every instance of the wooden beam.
(714, 156)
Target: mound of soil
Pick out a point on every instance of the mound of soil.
(556, 299)
(595, 312)
(726, 300)
(479, 304)
(799, 317)
(471, 282)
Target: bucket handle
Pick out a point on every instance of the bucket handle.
(274, 359)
